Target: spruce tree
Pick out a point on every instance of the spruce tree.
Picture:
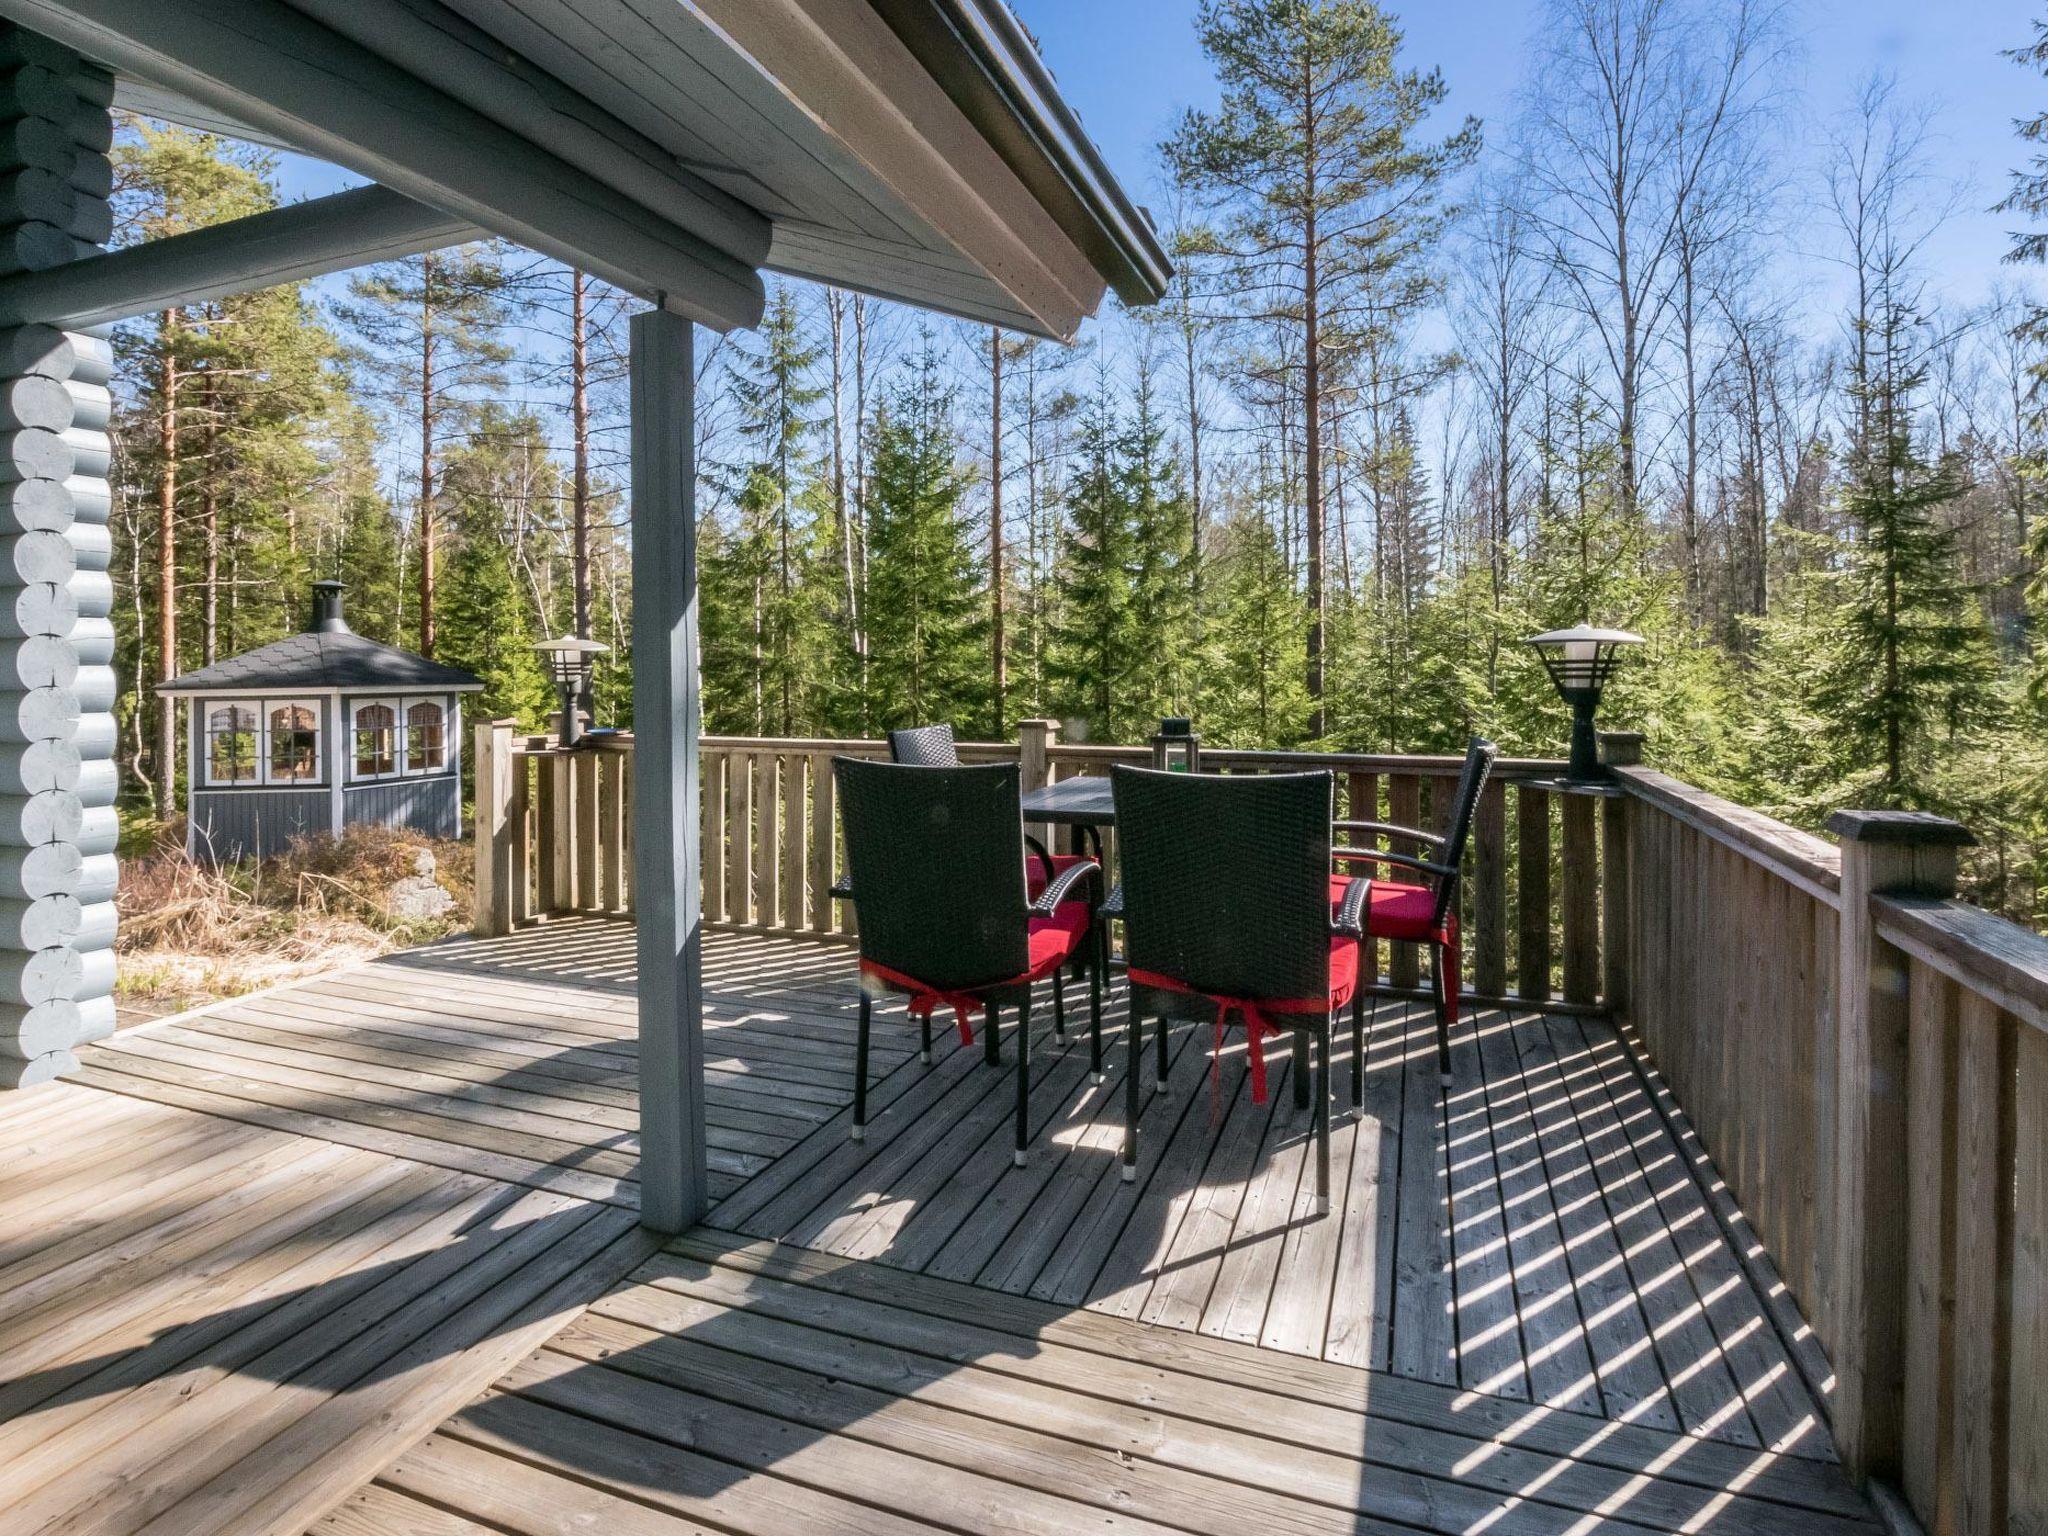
(1097, 638)
(1254, 694)
(1913, 669)
(927, 621)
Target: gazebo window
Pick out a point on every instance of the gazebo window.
(231, 744)
(293, 751)
(426, 748)
(376, 741)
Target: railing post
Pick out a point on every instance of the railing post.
(491, 903)
(1618, 749)
(1035, 741)
(1883, 852)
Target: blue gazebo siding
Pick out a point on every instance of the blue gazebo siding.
(431, 804)
(255, 823)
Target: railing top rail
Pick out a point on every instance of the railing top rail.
(1979, 950)
(1427, 765)
(1811, 863)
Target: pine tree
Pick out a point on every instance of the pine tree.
(927, 621)
(1328, 200)
(432, 332)
(1162, 564)
(1254, 694)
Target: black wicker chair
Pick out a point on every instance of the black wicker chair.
(1225, 899)
(932, 746)
(935, 873)
(1425, 912)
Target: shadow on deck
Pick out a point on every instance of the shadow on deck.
(311, 1226)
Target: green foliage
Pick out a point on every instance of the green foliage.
(927, 620)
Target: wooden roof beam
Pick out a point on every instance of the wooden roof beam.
(284, 245)
(261, 62)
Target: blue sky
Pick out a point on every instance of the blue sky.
(1130, 66)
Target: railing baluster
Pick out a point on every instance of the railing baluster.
(1581, 901)
(712, 814)
(617, 768)
(2029, 1406)
(822, 832)
(1985, 1049)
(522, 838)
(1930, 1228)
(1532, 894)
(795, 820)
(1404, 808)
(1489, 893)
(738, 836)
(766, 846)
(588, 823)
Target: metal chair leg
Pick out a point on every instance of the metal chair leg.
(1358, 1049)
(1134, 1040)
(1059, 1009)
(1159, 1082)
(1301, 1067)
(860, 1069)
(924, 1021)
(1443, 1016)
(991, 1043)
(1095, 970)
(1322, 1055)
(1023, 1078)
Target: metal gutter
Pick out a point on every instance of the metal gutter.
(985, 61)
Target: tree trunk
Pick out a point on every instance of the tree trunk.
(998, 672)
(167, 566)
(579, 426)
(426, 572)
(209, 513)
(1312, 449)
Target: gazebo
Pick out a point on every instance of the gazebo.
(319, 731)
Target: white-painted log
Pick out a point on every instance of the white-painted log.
(98, 922)
(53, 816)
(92, 355)
(99, 878)
(99, 783)
(31, 1030)
(92, 405)
(92, 642)
(38, 714)
(36, 401)
(289, 75)
(38, 349)
(96, 735)
(38, 661)
(40, 765)
(38, 1069)
(39, 556)
(93, 591)
(40, 976)
(96, 689)
(30, 506)
(96, 1018)
(92, 452)
(92, 499)
(96, 969)
(32, 247)
(36, 141)
(39, 924)
(35, 454)
(91, 175)
(92, 546)
(54, 869)
(43, 610)
(40, 90)
(99, 830)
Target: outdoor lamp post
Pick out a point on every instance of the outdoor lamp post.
(1579, 661)
(569, 660)
(1177, 747)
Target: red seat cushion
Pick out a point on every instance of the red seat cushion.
(1393, 911)
(1055, 939)
(1343, 969)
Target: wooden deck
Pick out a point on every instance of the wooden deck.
(325, 1256)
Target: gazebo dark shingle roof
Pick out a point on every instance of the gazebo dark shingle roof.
(323, 661)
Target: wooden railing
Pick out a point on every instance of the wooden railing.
(1865, 1059)
(1531, 904)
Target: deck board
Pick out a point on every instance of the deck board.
(361, 1254)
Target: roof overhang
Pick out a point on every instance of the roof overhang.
(913, 149)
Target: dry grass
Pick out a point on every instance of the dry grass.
(192, 934)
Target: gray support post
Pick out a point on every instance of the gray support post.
(57, 775)
(665, 729)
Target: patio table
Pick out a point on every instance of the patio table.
(1083, 804)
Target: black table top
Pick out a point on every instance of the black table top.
(1072, 803)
